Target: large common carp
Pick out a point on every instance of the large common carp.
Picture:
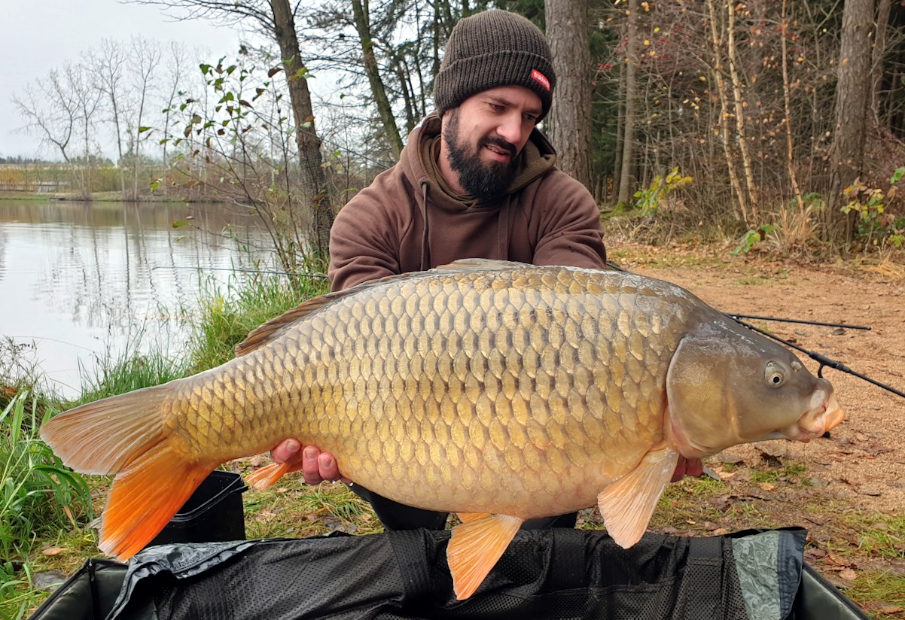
(499, 391)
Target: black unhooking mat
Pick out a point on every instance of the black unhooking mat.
(558, 573)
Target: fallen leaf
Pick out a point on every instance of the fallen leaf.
(885, 608)
(836, 559)
(848, 574)
(766, 486)
(53, 551)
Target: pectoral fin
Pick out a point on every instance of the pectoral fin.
(467, 517)
(475, 547)
(628, 503)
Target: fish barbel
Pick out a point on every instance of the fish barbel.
(499, 391)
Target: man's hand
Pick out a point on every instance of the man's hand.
(687, 467)
(316, 466)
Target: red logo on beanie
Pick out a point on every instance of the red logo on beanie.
(540, 78)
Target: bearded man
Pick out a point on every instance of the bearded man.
(476, 179)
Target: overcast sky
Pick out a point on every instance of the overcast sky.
(41, 35)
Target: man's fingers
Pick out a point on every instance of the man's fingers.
(287, 451)
(326, 466)
(311, 465)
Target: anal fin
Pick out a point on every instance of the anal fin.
(475, 547)
(628, 504)
(266, 476)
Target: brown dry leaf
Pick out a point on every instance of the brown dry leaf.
(885, 608)
(836, 559)
(767, 486)
(848, 574)
(53, 551)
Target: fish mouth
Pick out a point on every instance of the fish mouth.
(824, 415)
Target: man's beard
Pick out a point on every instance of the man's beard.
(485, 181)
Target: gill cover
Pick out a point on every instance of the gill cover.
(728, 385)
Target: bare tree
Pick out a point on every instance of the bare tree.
(741, 195)
(176, 69)
(881, 40)
(628, 124)
(144, 59)
(569, 121)
(108, 66)
(87, 99)
(58, 108)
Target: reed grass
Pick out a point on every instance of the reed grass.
(226, 317)
(39, 496)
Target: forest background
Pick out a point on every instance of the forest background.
(777, 122)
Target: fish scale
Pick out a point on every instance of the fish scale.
(496, 390)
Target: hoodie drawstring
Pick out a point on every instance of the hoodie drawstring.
(425, 248)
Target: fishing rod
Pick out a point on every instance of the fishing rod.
(799, 321)
(305, 274)
(821, 359)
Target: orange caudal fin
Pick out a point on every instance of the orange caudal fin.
(474, 548)
(267, 475)
(126, 435)
(143, 499)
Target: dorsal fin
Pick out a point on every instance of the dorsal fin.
(272, 328)
(464, 265)
(266, 332)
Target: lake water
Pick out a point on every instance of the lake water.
(80, 281)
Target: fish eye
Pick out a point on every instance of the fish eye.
(774, 375)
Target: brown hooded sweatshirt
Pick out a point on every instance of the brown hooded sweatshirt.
(408, 219)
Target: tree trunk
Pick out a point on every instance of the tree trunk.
(313, 179)
(884, 8)
(738, 104)
(852, 92)
(378, 90)
(631, 70)
(569, 121)
(787, 108)
(735, 182)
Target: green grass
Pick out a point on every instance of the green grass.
(225, 318)
(129, 371)
(39, 497)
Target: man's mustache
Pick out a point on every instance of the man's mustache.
(500, 143)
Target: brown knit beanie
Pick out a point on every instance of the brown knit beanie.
(491, 49)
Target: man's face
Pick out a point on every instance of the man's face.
(483, 136)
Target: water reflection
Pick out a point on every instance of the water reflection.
(83, 279)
